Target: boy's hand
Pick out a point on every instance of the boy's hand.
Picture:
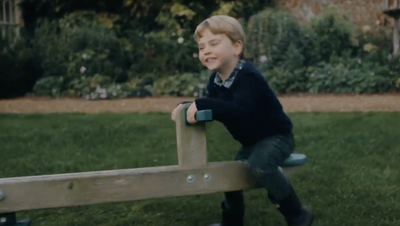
(191, 113)
(173, 114)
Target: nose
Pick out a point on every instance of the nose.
(207, 51)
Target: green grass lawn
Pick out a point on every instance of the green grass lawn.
(352, 177)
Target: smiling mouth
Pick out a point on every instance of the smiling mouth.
(210, 60)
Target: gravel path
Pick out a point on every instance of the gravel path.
(304, 103)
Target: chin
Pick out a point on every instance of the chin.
(212, 68)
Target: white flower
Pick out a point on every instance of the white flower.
(85, 56)
(82, 70)
(263, 58)
(180, 40)
(195, 55)
(100, 90)
(201, 85)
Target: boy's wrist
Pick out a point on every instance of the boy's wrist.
(201, 104)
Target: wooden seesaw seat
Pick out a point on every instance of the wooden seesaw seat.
(295, 159)
(192, 176)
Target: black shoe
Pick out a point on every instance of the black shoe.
(294, 212)
(306, 218)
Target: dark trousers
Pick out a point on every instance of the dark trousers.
(264, 158)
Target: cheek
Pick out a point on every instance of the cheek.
(201, 57)
(221, 54)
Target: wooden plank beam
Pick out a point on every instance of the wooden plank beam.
(87, 188)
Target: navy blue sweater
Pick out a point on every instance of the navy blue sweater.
(249, 108)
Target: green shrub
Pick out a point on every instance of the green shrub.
(19, 68)
(91, 88)
(285, 81)
(79, 44)
(101, 87)
(49, 86)
(332, 34)
(97, 56)
(350, 76)
(168, 52)
(187, 84)
(275, 39)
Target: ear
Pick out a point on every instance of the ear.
(238, 47)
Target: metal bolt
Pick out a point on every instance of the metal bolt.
(1, 195)
(207, 176)
(190, 178)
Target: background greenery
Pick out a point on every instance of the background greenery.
(351, 176)
(126, 48)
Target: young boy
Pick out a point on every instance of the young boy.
(241, 99)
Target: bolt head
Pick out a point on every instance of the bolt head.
(190, 178)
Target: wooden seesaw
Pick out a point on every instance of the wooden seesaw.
(193, 175)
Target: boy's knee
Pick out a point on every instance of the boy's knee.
(260, 172)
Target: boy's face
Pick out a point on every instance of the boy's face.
(217, 50)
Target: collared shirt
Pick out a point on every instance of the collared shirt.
(228, 82)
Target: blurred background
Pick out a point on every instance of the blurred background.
(103, 49)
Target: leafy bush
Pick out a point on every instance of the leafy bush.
(91, 88)
(341, 78)
(103, 56)
(187, 84)
(332, 34)
(19, 69)
(167, 52)
(80, 43)
(275, 39)
(325, 56)
(285, 81)
(101, 87)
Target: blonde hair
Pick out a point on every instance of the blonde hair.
(222, 24)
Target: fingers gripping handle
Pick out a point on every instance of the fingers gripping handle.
(200, 116)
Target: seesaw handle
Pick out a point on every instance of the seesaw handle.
(200, 116)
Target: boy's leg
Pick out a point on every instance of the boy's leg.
(266, 156)
(232, 207)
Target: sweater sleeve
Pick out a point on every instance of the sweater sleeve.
(245, 98)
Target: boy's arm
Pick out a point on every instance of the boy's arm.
(245, 98)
